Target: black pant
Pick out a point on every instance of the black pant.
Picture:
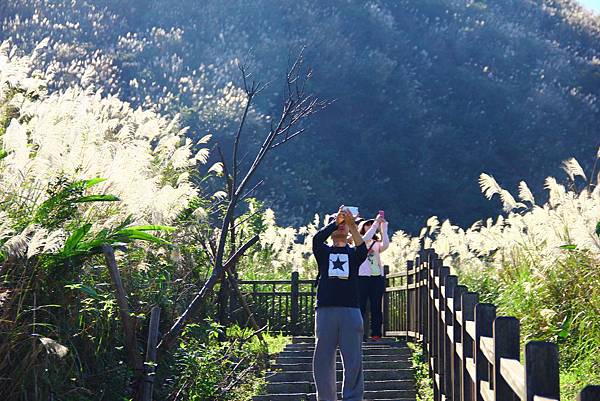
(372, 289)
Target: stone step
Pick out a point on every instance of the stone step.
(367, 351)
(303, 347)
(307, 366)
(371, 374)
(383, 341)
(302, 339)
(407, 385)
(368, 396)
(387, 369)
(366, 358)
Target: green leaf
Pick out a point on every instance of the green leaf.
(130, 234)
(565, 328)
(72, 242)
(84, 288)
(97, 198)
(3, 154)
(128, 220)
(598, 229)
(152, 228)
(568, 247)
(92, 182)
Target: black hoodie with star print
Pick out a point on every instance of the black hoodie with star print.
(338, 270)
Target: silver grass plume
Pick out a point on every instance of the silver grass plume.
(525, 193)
(573, 169)
(488, 185)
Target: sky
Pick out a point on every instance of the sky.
(592, 4)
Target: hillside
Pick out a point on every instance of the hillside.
(428, 93)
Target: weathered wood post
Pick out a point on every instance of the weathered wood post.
(506, 345)
(386, 301)
(440, 312)
(295, 292)
(457, 364)
(410, 280)
(541, 370)
(150, 364)
(449, 285)
(430, 257)
(433, 340)
(129, 325)
(419, 305)
(469, 300)
(589, 393)
(424, 304)
(484, 321)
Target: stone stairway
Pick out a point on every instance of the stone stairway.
(386, 365)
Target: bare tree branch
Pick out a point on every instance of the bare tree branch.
(175, 330)
(297, 106)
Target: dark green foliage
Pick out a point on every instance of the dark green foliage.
(205, 364)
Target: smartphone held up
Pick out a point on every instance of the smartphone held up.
(352, 210)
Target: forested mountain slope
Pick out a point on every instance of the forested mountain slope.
(428, 93)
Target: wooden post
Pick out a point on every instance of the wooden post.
(294, 301)
(441, 329)
(434, 324)
(541, 370)
(506, 345)
(150, 365)
(386, 301)
(589, 393)
(419, 305)
(468, 302)
(484, 320)
(236, 288)
(449, 285)
(409, 299)
(457, 364)
(423, 300)
(430, 257)
(134, 357)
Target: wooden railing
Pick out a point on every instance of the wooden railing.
(473, 354)
(286, 306)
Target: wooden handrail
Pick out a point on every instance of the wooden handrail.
(514, 374)
(486, 392)
(470, 328)
(473, 354)
(540, 398)
(487, 347)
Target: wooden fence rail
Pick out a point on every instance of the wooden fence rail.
(286, 306)
(473, 354)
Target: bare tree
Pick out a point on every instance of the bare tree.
(298, 104)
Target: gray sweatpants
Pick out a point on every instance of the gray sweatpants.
(344, 327)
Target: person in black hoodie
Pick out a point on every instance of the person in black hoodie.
(338, 321)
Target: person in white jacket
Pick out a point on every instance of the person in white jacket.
(371, 276)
